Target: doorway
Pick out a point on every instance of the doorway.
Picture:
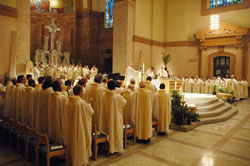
(221, 66)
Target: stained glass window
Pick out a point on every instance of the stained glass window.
(109, 14)
(221, 3)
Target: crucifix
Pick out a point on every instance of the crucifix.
(52, 29)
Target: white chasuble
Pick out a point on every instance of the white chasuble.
(19, 101)
(76, 130)
(127, 110)
(162, 110)
(56, 107)
(111, 119)
(42, 110)
(96, 92)
(8, 100)
(28, 104)
(142, 113)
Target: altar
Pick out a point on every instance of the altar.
(170, 84)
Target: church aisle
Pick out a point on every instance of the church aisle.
(218, 144)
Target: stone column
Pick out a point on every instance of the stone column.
(204, 62)
(23, 35)
(239, 62)
(12, 69)
(123, 32)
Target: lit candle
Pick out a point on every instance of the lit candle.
(143, 68)
(175, 83)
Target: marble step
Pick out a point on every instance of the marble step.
(227, 115)
(205, 103)
(216, 112)
(211, 107)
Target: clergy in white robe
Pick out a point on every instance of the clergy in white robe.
(19, 91)
(28, 103)
(111, 118)
(190, 84)
(131, 73)
(142, 112)
(8, 100)
(96, 91)
(163, 73)
(245, 88)
(42, 106)
(37, 90)
(13, 98)
(149, 72)
(56, 107)
(197, 86)
(150, 86)
(162, 109)
(127, 110)
(119, 89)
(77, 128)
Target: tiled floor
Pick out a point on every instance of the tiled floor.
(219, 144)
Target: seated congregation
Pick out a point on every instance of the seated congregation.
(73, 117)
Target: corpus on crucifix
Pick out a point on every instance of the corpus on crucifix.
(52, 29)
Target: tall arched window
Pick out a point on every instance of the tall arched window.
(109, 14)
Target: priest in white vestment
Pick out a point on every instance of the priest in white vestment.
(150, 86)
(149, 72)
(96, 91)
(127, 110)
(20, 88)
(142, 113)
(77, 128)
(8, 100)
(42, 106)
(131, 73)
(37, 90)
(197, 86)
(245, 87)
(162, 109)
(163, 73)
(111, 117)
(28, 103)
(190, 84)
(56, 108)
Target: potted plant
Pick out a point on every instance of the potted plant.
(166, 59)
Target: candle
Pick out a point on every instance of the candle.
(175, 83)
(143, 68)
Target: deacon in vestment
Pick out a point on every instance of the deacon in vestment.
(76, 128)
(150, 86)
(42, 106)
(28, 103)
(111, 118)
(162, 109)
(56, 107)
(142, 113)
(20, 87)
(96, 91)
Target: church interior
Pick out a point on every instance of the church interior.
(191, 58)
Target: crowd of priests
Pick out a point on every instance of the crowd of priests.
(67, 107)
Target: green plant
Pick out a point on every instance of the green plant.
(166, 58)
(214, 89)
(180, 112)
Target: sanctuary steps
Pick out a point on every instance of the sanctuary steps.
(210, 108)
